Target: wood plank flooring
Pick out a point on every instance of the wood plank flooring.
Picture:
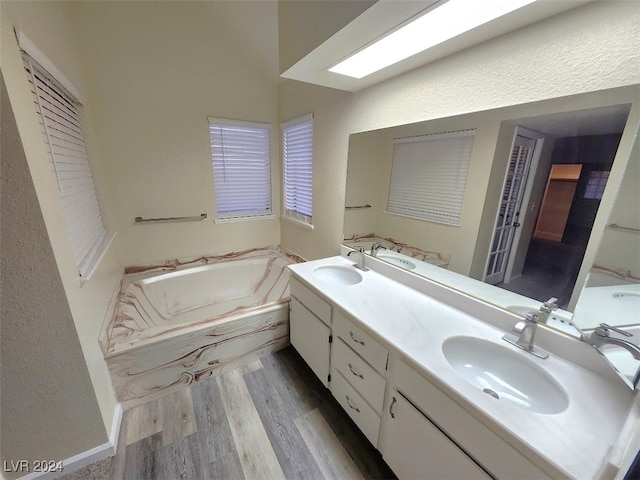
(270, 419)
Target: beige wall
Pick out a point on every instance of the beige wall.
(157, 70)
(50, 26)
(619, 248)
(304, 25)
(545, 60)
(48, 407)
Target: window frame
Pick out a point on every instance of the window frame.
(84, 220)
(241, 214)
(414, 182)
(296, 212)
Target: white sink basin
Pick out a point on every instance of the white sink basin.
(396, 260)
(337, 275)
(504, 374)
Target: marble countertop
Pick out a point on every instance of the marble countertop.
(573, 443)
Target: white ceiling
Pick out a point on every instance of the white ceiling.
(593, 121)
(385, 16)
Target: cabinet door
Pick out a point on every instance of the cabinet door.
(310, 337)
(414, 447)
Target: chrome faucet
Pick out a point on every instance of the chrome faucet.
(375, 248)
(600, 336)
(360, 265)
(526, 330)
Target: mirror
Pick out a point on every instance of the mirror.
(579, 147)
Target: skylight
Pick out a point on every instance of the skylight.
(438, 25)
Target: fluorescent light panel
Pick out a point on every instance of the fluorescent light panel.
(436, 26)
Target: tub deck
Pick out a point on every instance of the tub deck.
(175, 325)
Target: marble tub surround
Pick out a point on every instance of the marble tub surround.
(176, 264)
(157, 301)
(178, 322)
(368, 239)
(414, 318)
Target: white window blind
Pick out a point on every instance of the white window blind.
(241, 154)
(428, 176)
(59, 120)
(297, 153)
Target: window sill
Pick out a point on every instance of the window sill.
(97, 258)
(295, 221)
(243, 219)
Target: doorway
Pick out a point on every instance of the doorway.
(524, 154)
(574, 177)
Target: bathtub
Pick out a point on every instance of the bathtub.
(182, 321)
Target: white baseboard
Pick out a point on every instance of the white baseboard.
(83, 459)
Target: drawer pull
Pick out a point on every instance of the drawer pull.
(351, 406)
(361, 342)
(355, 373)
(393, 415)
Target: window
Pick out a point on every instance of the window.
(58, 113)
(595, 185)
(241, 154)
(428, 176)
(297, 159)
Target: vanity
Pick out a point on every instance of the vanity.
(398, 352)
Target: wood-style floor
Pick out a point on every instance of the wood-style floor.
(270, 419)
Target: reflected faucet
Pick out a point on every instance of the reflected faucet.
(600, 336)
(375, 248)
(546, 308)
(360, 265)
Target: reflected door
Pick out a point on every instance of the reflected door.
(511, 200)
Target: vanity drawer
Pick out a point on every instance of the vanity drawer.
(369, 383)
(352, 402)
(471, 435)
(360, 341)
(313, 302)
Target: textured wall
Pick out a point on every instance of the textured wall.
(50, 26)
(48, 406)
(163, 68)
(587, 49)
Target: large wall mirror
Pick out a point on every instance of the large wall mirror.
(544, 204)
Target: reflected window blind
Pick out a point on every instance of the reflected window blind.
(297, 153)
(60, 124)
(429, 175)
(241, 155)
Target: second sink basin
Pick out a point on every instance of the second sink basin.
(504, 374)
(337, 275)
(396, 260)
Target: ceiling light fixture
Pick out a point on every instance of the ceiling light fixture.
(447, 21)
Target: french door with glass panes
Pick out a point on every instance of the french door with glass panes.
(507, 221)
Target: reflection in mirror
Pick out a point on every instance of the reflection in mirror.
(611, 293)
(533, 189)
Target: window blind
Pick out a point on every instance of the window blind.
(241, 155)
(59, 120)
(429, 175)
(297, 153)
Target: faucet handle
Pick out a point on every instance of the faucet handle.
(532, 316)
(603, 330)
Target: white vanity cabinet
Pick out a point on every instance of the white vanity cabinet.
(358, 366)
(310, 334)
(415, 448)
(439, 438)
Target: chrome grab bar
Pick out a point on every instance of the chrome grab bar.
(202, 216)
(357, 206)
(620, 227)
